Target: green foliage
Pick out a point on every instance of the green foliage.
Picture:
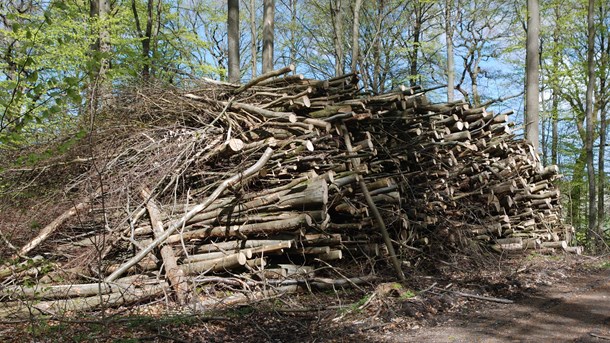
(43, 71)
(407, 294)
(51, 58)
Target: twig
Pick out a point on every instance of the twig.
(481, 297)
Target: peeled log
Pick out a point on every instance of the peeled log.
(215, 265)
(575, 250)
(560, 244)
(236, 245)
(271, 227)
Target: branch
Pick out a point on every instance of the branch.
(501, 99)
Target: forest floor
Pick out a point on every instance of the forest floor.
(554, 299)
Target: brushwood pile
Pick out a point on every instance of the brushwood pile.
(259, 188)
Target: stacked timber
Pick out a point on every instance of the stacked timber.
(288, 174)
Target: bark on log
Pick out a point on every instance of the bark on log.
(59, 307)
(173, 273)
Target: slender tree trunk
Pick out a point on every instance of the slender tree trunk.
(147, 40)
(145, 36)
(589, 127)
(268, 22)
(293, 36)
(233, 40)
(253, 36)
(576, 190)
(100, 9)
(555, 90)
(377, 49)
(532, 74)
(449, 43)
(356, 35)
(603, 100)
(419, 12)
(555, 127)
(473, 73)
(336, 10)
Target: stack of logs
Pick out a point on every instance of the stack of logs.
(442, 176)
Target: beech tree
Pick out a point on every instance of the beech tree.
(268, 34)
(532, 73)
(233, 40)
(589, 120)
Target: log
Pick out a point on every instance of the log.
(231, 246)
(331, 256)
(60, 307)
(45, 292)
(20, 267)
(214, 255)
(174, 274)
(215, 265)
(560, 244)
(246, 230)
(574, 250)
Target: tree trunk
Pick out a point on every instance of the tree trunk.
(419, 12)
(603, 100)
(253, 37)
(293, 30)
(376, 83)
(555, 90)
(100, 9)
(532, 73)
(589, 127)
(146, 37)
(356, 35)
(268, 22)
(233, 40)
(449, 43)
(336, 10)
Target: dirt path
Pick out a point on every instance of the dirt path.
(568, 311)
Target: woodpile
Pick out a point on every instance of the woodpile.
(288, 174)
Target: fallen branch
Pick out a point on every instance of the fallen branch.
(481, 297)
(49, 229)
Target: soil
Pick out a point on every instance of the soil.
(554, 299)
(569, 306)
